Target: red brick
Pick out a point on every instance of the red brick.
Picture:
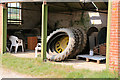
(114, 36)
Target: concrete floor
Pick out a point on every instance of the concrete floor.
(78, 64)
(26, 54)
(82, 64)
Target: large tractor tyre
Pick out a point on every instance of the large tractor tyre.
(78, 43)
(82, 38)
(60, 44)
(76, 40)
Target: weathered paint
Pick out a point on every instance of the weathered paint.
(108, 34)
(1, 29)
(4, 29)
(44, 31)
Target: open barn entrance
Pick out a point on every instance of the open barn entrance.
(24, 22)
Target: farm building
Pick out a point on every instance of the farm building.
(30, 19)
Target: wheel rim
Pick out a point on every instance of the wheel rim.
(61, 44)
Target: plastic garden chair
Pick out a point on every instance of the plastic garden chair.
(16, 42)
(38, 47)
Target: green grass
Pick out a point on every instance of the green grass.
(36, 67)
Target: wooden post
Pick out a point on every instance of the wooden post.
(98, 61)
(87, 59)
(108, 33)
(44, 31)
(4, 28)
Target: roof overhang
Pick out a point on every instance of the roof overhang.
(9, 1)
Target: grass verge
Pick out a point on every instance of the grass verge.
(35, 67)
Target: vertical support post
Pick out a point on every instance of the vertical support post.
(108, 33)
(1, 29)
(44, 31)
(4, 28)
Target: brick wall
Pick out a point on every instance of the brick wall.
(115, 36)
(119, 37)
(1, 27)
(74, 20)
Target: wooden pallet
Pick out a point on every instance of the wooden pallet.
(95, 57)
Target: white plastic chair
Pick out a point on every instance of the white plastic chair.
(38, 47)
(16, 42)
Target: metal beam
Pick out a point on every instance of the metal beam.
(69, 8)
(78, 9)
(10, 1)
(6, 1)
(23, 8)
(44, 31)
(81, 5)
(108, 33)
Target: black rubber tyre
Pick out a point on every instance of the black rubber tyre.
(52, 55)
(82, 38)
(77, 42)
